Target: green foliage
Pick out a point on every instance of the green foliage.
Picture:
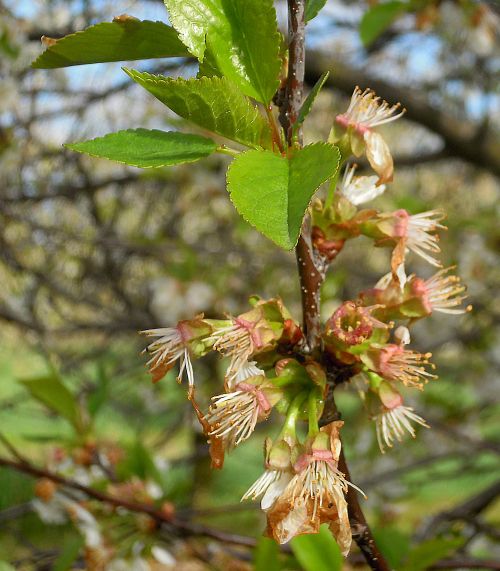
(140, 463)
(146, 148)
(51, 392)
(69, 554)
(242, 35)
(208, 67)
(212, 103)
(378, 18)
(424, 555)
(191, 18)
(267, 555)
(273, 192)
(4, 566)
(98, 397)
(126, 40)
(318, 552)
(310, 99)
(393, 543)
(313, 7)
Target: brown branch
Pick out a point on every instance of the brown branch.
(294, 88)
(181, 526)
(361, 531)
(468, 510)
(310, 265)
(310, 272)
(67, 190)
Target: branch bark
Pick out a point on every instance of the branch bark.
(310, 271)
(311, 267)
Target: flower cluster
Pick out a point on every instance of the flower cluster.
(270, 368)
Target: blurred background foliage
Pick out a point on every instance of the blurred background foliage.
(91, 252)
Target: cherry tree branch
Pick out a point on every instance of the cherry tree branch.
(312, 268)
(182, 527)
(310, 271)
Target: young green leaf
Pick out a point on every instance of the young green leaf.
(191, 19)
(267, 555)
(317, 552)
(378, 18)
(309, 100)
(243, 37)
(122, 40)
(393, 543)
(70, 551)
(208, 67)
(51, 392)
(273, 192)
(146, 148)
(313, 8)
(213, 103)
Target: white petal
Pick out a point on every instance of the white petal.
(379, 156)
(52, 512)
(362, 189)
(275, 490)
(162, 555)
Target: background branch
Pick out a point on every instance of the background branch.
(477, 144)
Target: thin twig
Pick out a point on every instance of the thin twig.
(178, 525)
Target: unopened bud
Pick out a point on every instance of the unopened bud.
(279, 457)
(168, 510)
(45, 489)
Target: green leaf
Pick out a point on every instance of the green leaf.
(273, 192)
(191, 19)
(52, 393)
(309, 100)
(213, 103)
(243, 37)
(125, 40)
(378, 18)
(267, 555)
(317, 552)
(429, 552)
(5, 566)
(69, 554)
(208, 67)
(393, 543)
(99, 396)
(313, 7)
(146, 148)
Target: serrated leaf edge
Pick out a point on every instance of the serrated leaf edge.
(71, 147)
(93, 26)
(317, 144)
(157, 78)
